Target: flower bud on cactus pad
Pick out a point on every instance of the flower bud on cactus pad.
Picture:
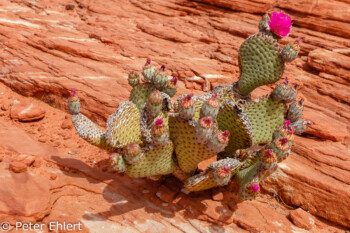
(154, 104)
(211, 107)
(155, 98)
(132, 153)
(118, 163)
(74, 103)
(222, 175)
(204, 129)
(186, 107)
(133, 79)
(219, 141)
(160, 78)
(264, 23)
(149, 71)
(282, 143)
(269, 156)
(290, 51)
(159, 133)
(301, 125)
(295, 110)
(171, 86)
(284, 93)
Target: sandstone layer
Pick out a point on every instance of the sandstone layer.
(47, 48)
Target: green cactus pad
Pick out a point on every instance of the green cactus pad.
(123, 126)
(245, 175)
(156, 161)
(259, 62)
(265, 116)
(207, 179)
(140, 93)
(189, 151)
(90, 132)
(232, 119)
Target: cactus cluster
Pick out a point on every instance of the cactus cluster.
(150, 136)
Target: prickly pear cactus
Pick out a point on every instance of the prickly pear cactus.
(150, 137)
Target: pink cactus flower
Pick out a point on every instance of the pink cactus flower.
(280, 24)
(255, 187)
(286, 81)
(73, 92)
(269, 152)
(159, 122)
(148, 61)
(286, 124)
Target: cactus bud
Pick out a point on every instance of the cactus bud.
(155, 98)
(159, 133)
(282, 143)
(204, 129)
(295, 110)
(133, 153)
(284, 93)
(171, 86)
(73, 102)
(264, 24)
(133, 78)
(118, 163)
(186, 107)
(160, 78)
(224, 171)
(149, 71)
(301, 125)
(158, 128)
(211, 107)
(223, 137)
(133, 149)
(219, 141)
(269, 156)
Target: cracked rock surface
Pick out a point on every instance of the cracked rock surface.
(48, 48)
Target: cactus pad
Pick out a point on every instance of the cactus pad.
(140, 93)
(265, 116)
(232, 119)
(156, 161)
(90, 132)
(189, 151)
(123, 126)
(259, 62)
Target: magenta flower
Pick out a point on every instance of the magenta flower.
(159, 121)
(286, 124)
(255, 187)
(280, 24)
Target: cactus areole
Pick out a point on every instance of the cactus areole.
(152, 135)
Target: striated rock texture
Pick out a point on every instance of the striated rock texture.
(48, 48)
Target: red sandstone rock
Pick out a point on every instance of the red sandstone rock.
(26, 159)
(165, 194)
(47, 50)
(67, 124)
(18, 167)
(26, 111)
(302, 219)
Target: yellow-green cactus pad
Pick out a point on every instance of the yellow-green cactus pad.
(210, 179)
(90, 132)
(156, 161)
(231, 118)
(189, 151)
(123, 126)
(259, 62)
(202, 181)
(140, 93)
(265, 116)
